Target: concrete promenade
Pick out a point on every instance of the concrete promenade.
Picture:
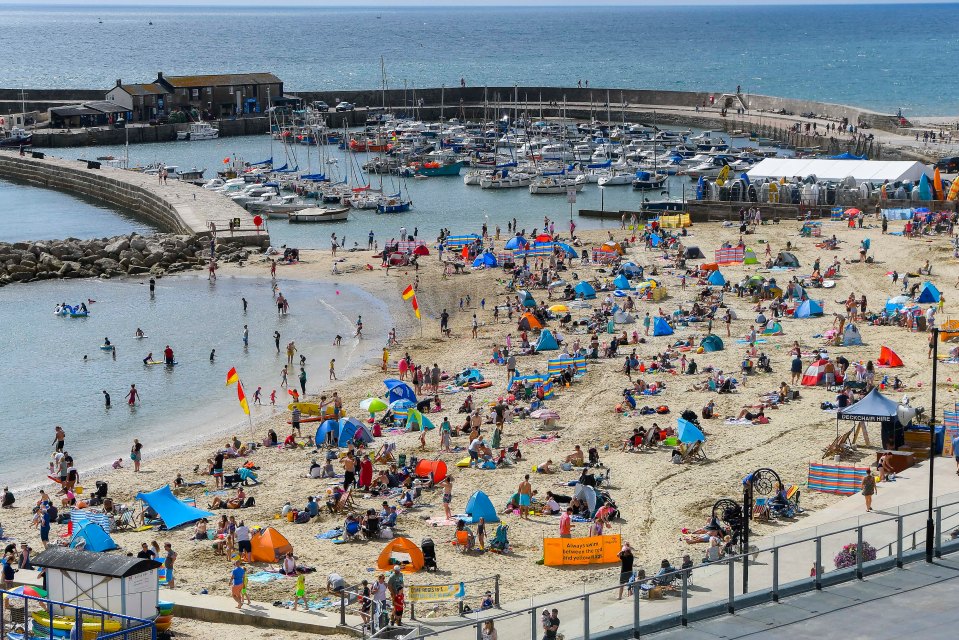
(174, 207)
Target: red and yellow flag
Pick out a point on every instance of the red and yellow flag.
(410, 294)
(231, 376)
(242, 398)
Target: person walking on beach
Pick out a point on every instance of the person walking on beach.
(273, 269)
(625, 567)
(168, 560)
(283, 374)
(257, 396)
(303, 381)
(243, 544)
(290, 352)
(244, 305)
(868, 489)
(332, 369)
(59, 437)
(448, 497)
(276, 340)
(295, 419)
(525, 497)
(359, 327)
(237, 576)
(475, 327)
(136, 454)
(246, 336)
(132, 396)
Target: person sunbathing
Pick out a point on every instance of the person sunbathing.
(576, 458)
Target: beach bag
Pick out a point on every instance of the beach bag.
(302, 517)
(251, 501)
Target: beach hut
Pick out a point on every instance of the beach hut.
(328, 430)
(661, 327)
(712, 343)
(749, 257)
(269, 545)
(528, 322)
(787, 259)
(399, 390)
(851, 336)
(815, 374)
(929, 294)
(809, 309)
(888, 358)
(716, 278)
(351, 431)
(693, 253)
(434, 469)
(547, 342)
(584, 290)
(403, 552)
(480, 506)
(622, 282)
(527, 300)
(91, 537)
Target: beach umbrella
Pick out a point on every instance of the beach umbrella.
(853, 212)
(559, 308)
(544, 237)
(421, 250)
(557, 283)
(401, 405)
(373, 405)
(27, 590)
(688, 432)
(517, 242)
(399, 390)
(544, 414)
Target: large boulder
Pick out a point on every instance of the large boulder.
(118, 245)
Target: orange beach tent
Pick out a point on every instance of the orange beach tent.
(403, 552)
(269, 545)
(888, 358)
(531, 321)
(436, 467)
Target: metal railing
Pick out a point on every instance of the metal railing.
(785, 565)
(91, 620)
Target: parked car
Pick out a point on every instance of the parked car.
(319, 105)
(949, 165)
(345, 106)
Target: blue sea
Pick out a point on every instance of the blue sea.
(882, 56)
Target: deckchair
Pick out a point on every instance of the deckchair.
(343, 503)
(649, 442)
(694, 453)
(385, 454)
(840, 446)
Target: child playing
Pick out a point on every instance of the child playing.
(300, 593)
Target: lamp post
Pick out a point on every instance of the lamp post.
(930, 526)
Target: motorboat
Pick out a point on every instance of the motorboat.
(199, 131)
(270, 204)
(502, 179)
(708, 169)
(320, 214)
(646, 181)
(253, 194)
(615, 179)
(18, 137)
(553, 185)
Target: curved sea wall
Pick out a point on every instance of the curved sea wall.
(175, 207)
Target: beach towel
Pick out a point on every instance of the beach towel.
(739, 421)
(441, 522)
(329, 535)
(541, 439)
(265, 576)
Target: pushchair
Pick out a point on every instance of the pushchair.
(500, 541)
(429, 554)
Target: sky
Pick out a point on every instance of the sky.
(458, 3)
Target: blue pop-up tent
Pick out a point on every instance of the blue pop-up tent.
(584, 290)
(93, 538)
(547, 341)
(929, 294)
(325, 429)
(809, 309)
(399, 390)
(711, 343)
(170, 509)
(622, 282)
(516, 242)
(661, 327)
(716, 278)
(526, 299)
(485, 259)
(351, 431)
(480, 506)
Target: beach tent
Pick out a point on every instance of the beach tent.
(693, 253)
(630, 269)
(269, 545)
(326, 428)
(888, 358)
(787, 259)
(774, 329)
(516, 242)
(612, 247)
(688, 432)
(480, 506)
(486, 259)
(655, 240)
(568, 250)
(851, 336)
(809, 309)
(435, 467)
(170, 509)
(528, 322)
(417, 419)
(344, 422)
(403, 552)
(815, 374)
(895, 303)
(662, 328)
(623, 317)
(93, 538)
(875, 407)
(351, 431)
(584, 290)
(399, 390)
(526, 299)
(716, 278)
(712, 343)
(587, 493)
(928, 294)
(546, 341)
(622, 282)
(749, 257)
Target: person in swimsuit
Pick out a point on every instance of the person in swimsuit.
(132, 396)
(349, 471)
(525, 497)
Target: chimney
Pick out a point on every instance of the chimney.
(159, 75)
(119, 82)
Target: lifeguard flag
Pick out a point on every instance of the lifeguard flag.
(242, 398)
(410, 294)
(231, 376)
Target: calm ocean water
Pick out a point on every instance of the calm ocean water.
(48, 382)
(884, 57)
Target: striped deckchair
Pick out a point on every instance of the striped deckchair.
(833, 478)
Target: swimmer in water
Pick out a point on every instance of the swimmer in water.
(212, 354)
(139, 332)
(148, 359)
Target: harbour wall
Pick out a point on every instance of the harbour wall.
(175, 207)
(136, 134)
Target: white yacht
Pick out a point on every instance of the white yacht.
(552, 185)
(199, 131)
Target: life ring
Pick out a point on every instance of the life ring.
(480, 385)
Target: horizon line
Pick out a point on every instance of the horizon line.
(448, 4)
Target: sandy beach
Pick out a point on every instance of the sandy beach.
(656, 497)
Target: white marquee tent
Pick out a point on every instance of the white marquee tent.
(876, 171)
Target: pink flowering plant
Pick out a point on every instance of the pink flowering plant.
(847, 557)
